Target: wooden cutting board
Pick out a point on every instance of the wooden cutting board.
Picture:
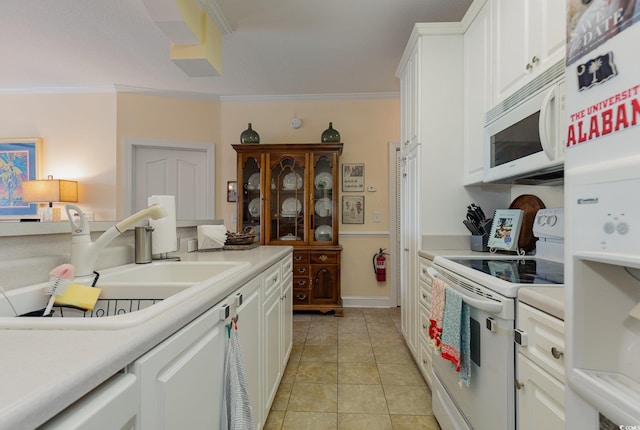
(530, 205)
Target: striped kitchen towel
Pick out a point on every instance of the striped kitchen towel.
(455, 334)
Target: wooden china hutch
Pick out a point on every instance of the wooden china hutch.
(288, 194)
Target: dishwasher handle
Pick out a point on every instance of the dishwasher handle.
(483, 305)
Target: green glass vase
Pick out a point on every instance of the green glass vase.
(330, 134)
(249, 136)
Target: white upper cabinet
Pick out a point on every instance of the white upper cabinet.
(529, 37)
(409, 89)
(477, 92)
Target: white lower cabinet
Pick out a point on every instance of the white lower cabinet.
(181, 380)
(112, 406)
(540, 370)
(278, 330)
(179, 383)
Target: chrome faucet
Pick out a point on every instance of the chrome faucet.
(84, 253)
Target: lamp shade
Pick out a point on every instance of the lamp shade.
(49, 191)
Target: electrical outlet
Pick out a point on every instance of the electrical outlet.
(234, 218)
(371, 188)
(377, 216)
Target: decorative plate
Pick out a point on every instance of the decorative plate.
(289, 237)
(291, 206)
(323, 232)
(292, 181)
(323, 181)
(323, 207)
(254, 207)
(253, 183)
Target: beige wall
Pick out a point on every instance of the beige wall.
(165, 118)
(366, 127)
(79, 135)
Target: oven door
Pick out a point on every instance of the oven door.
(489, 401)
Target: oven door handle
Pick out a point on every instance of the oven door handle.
(483, 305)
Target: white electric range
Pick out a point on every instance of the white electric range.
(489, 285)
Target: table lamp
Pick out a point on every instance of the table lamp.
(49, 191)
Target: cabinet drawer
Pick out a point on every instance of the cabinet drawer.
(424, 324)
(299, 282)
(424, 275)
(300, 295)
(300, 257)
(425, 363)
(300, 270)
(323, 258)
(425, 295)
(271, 280)
(287, 266)
(545, 339)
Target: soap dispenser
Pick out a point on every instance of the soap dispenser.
(143, 244)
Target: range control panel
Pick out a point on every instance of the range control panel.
(605, 214)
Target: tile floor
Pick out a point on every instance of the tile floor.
(351, 373)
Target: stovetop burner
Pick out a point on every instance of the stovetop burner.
(517, 271)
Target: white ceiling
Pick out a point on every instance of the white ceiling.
(277, 47)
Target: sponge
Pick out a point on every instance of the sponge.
(79, 296)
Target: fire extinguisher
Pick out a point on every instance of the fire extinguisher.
(380, 265)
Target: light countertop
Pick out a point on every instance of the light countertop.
(546, 299)
(44, 371)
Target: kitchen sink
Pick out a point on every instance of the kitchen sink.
(167, 272)
(130, 295)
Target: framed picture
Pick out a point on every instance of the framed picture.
(352, 209)
(232, 191)
(505, 229)
(19, 162)
(353, 177)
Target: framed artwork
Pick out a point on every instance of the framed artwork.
(353, 177)
(352, 209)
(232, 191)
(19, 162)
(505, 230)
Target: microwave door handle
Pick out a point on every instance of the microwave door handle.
(543, 124)
(483, 305)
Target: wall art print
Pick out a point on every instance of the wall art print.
(19, 162)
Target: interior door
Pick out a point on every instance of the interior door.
(185, 170)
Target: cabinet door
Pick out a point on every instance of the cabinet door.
(272, 347)
(287, 319)
(529, 38)
(323, 213)
(540, 398)
(181, 379)
(286, 206)
(250, 177)
(477, 94)
(249, 330)
(511, 45)
(323, 284)
(113, 405)
(410, 232)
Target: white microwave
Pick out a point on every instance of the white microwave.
(525, 144)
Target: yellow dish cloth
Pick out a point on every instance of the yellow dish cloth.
(79, 296)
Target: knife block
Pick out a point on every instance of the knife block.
(479, 243)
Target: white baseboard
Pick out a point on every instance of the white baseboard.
(366, 302)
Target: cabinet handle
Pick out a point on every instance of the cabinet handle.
(424, 296)
(302, 270)
(302, 283)
(424, 326)
(323, 258)
(301, 296)
(298, 257)
(519, 385)
(275, 279)
(557, 354)
(533, 62)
